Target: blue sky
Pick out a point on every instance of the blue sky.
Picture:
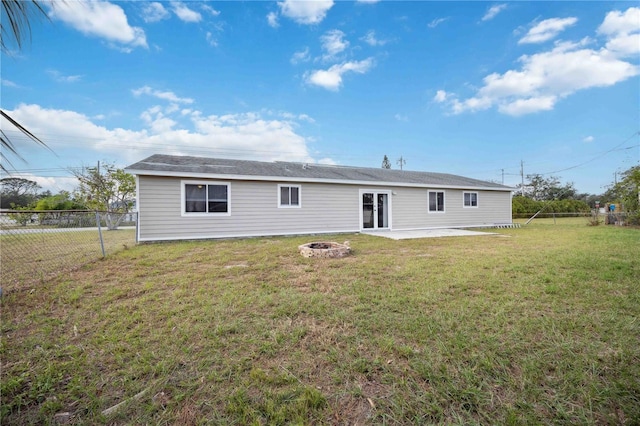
(470, 88)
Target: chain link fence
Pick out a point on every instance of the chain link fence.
(38, 245)
(546, 214)
(593, 217)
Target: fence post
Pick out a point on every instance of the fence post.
(100, 233)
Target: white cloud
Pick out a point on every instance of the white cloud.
(440, 96)
(328, 161)
(545, 78)
(437, 22)
(305, 117)
(100, 19)
(401, 117)
(625, 45)
(154, 12)
(305, 12)
(156, 120)
(57, 76)
(244, 135)
(211, 10)
(67, 126)
(333, 42)
(331, 79)
(53, 184)
(617, 22)
(473, 104)
(547, 29)
(172, 108)
(9, 83)
(528, 106)
(371, 40)
(288, 115)
(588, 139)
(272, 20)
(167, 95)
(301, 56)
(184, 13)
(623, 31)
(493, 11)
(211, 39)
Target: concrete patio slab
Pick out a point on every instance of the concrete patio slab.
(426, 233)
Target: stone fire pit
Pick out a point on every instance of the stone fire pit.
(325, 249)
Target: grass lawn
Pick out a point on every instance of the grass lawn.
(538, 325)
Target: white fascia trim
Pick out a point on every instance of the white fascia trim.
(188, 175)
(138, 208)
(221, 237)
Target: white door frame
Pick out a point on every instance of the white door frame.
(375, 193)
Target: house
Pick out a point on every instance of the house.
(180, 197)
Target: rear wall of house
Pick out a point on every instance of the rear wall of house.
(253, 207)
(410, 209)
(325, 208)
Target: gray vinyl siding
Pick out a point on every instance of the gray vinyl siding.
(325, 208)
(411, 209)
(253, 211)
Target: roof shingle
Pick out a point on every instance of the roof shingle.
(175, 165)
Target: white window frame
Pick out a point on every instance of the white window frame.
(444, 198)
(289, 206)
(183, 200)
(464, 205)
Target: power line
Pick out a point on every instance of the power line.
(615, 148)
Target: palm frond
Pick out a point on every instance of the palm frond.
(8, 145)
(15, 23)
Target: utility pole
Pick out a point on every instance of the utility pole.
(522, 176)
(401, 162)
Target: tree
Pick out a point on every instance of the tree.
(17, 14)
(540, 188)
(61, 201)
(386, 164)
(107, 189)
(627, 193)
(18, 192)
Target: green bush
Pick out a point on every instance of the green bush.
(526, 207)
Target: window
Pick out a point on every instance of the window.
(470, 199)
(436, 201)
(206, 198)
(289, 196)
